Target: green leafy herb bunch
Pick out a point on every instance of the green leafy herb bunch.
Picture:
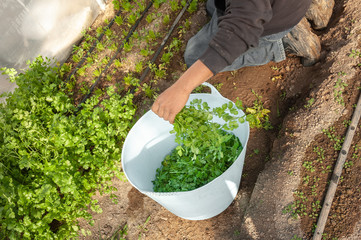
(206, 149)
(53, 158)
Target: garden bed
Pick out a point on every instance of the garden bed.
(287, 89)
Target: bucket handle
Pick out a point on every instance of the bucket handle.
(214, 91)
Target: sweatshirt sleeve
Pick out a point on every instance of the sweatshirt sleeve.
(239, 28)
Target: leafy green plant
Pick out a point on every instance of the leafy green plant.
(257, 115)
(298, 207)
(52, 160)
(339, 88)
(166, 19)
(148, 90)
(157, 3)
(338, 141)
(326, 169)
(120, 234)
(160, 71)
(348, 164)
(116, 4)
(320, 154)
(126, 5)
(218, 86)
(166, 57)
(309, 103)
(295, 237)
(306, 179)
(132, 19)
(143, 228)
(315, 209)
(205, 149)
(275, 68)
(146, 52)
(150, 17)
(119, 20)
(79, 53)
(355, 53)
(127, 47)
(193, 6)
(151, 36)
(139, 66)
(355, 154)
(255, 152)
(141, 5)
(174, 5)
(130, 80)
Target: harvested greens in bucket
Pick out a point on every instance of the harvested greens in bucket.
(205, 148)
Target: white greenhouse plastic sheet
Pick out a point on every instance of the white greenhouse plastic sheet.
(30, 28)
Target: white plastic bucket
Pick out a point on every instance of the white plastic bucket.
(149, 141)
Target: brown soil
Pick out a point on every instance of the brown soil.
(286, 89)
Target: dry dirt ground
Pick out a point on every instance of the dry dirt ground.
(303, 101)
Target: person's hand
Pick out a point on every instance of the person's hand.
(170, 102)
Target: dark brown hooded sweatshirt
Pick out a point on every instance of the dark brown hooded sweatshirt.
(242, 22)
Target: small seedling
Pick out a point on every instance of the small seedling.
(132, 19)
(283, 97)
(139, 66)
(119, 20)
(275, 68)
(339, 88)
(277, 77)
(120, 234)
(218, 86)
(320, 154)
(255, 151)
(308, 165)
(127, 7)
(295, 237)
(166, 19)
(174, 5)
(348, 164)
(143, 228)
(330, 133)
(148, 90)
(355, 53)
(193, 6)
(309, 103)
(306, 179)
(258, 114)
(346, 123)
(326, 169)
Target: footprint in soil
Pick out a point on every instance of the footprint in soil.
(136, 200)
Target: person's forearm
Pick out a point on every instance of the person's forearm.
(197, 74)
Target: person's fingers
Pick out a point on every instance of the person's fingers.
(161, 113)
(155, 107)
(169, 117)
